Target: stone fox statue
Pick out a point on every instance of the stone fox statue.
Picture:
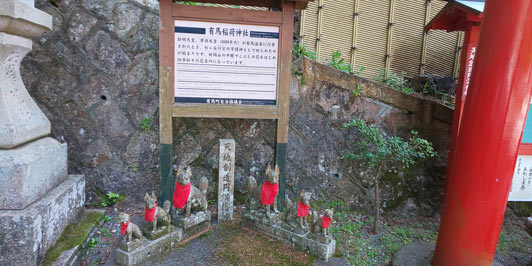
(128, 228)
(155, 213)
(322, 224)
(267, 193)
(187, 194)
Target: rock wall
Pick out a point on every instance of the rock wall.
(95, 76)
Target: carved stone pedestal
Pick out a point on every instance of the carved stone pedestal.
(129, 246)
(194, 224)
(303, 242)
(161, 231)
(148, 250)
(26, 234)
(259, 216)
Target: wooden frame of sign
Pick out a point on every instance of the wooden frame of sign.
(198, 95)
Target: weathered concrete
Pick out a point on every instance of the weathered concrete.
(29, 171)
(193, 220)
(19, 17)
(226, 180)
(150, 250)
(22, 120)
(25, 235)
(302, 242)
(67, 257)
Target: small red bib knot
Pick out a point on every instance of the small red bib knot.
(123, 227)
(181, 195)
(302, 209)
(149, 214)
(268, 193)
(326, 222)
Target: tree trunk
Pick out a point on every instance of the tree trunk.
(377, 203)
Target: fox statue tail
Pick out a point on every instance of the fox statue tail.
(203, 185)
(166, 206)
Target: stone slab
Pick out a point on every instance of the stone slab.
(161, 231)
(22, 120)
(67, 257)
(226, 178)
(129, 246)
(26, 235)
(19, 17)
(29, 171)
(259, 216)
(302, 242)
(193, 220)
(196, 230)
(149, 250)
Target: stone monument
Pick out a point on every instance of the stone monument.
(226, 177)
(37, 196)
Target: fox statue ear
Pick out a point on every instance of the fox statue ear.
(146, 197)
(179, 171)
(268, 169)
(153, 196)
(277, 169)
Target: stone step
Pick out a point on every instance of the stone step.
(29, 171)
(26, 235)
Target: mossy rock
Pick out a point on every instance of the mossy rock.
(73, 235)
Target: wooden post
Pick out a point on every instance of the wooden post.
(355, 33)
(388, 55)
(319, 25)
(166, 92)
(287, 32)
(459, 45)
(424, 45)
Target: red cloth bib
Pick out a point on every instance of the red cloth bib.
(181, 195)
(268, 193)
(326, 222)
(149, 214)
(123, 227)
(302, 209)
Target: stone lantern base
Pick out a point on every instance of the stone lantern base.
(26, 235)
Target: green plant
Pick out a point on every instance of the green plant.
(381, 153)
(301, 50)
(394, 81)
(133, 167)
(93, 242)
(106, 232)
(357, 91)
(339, 63)
(145, 124)
(111, 199)
(359, 71)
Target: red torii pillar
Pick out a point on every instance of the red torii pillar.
(490, 134)
(458, 17)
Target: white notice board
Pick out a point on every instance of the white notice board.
(521, 189)
(221, 63)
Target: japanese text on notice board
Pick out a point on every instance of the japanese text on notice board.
(220, 63)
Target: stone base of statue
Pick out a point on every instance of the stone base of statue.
(260, 216)
(304, 242)
(193, 225)
(161, 231)
(148, 249)
(296, 228)
(26, 234)
(129, 246)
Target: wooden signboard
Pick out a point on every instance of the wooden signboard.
(225, 63)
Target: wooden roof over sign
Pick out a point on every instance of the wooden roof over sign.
(300, 4)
